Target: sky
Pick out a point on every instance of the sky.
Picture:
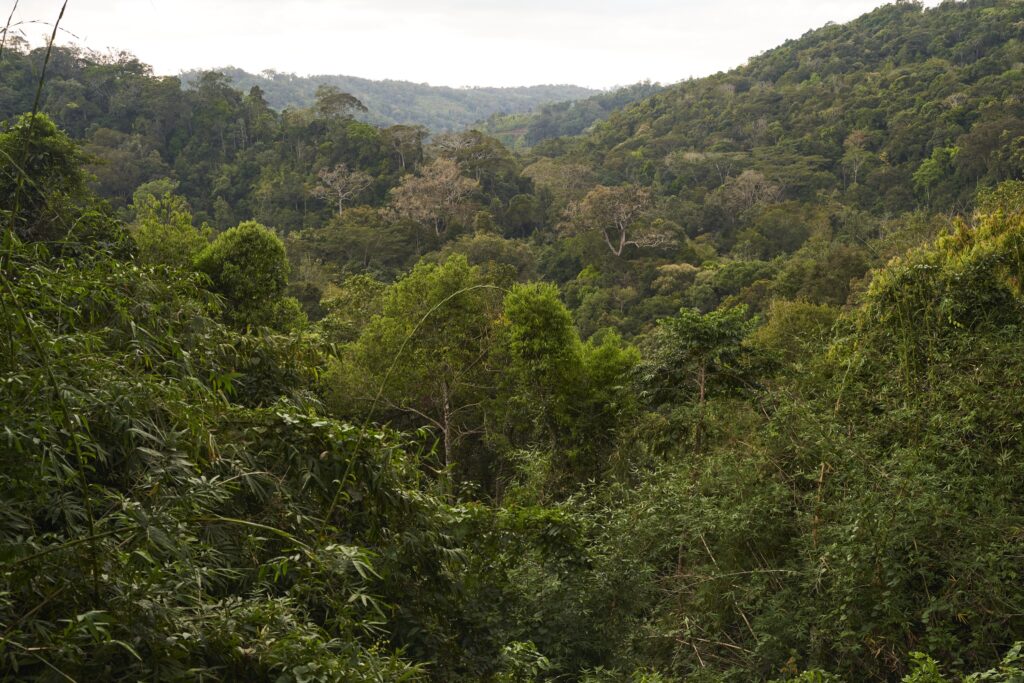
(594, 43)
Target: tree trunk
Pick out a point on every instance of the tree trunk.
(446, 424)
(702, 378)
(698, 429)
(622, 243)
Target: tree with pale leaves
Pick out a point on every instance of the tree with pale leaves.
(435, 199)
(616, 213)
(747, 190)
(340, 184)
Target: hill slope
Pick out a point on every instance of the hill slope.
(901, 107)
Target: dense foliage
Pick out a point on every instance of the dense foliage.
(726, 389)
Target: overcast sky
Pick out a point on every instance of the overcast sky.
(596, 43)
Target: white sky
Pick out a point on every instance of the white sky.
(596, 43)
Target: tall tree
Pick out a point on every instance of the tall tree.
(332, 103)
(426, 358)
(163, 226)
(616, 213)
(437, 198)
(692, 357)
(407, 144)
(41, 178)
(340, 184)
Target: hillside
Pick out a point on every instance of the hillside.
(899, 108)
(438, 108)
(570, 117)
(723, 389)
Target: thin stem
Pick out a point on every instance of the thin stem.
(32, 117)
(7, 27)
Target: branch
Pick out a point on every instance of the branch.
(658, 239)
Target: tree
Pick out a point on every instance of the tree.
(567, 182)
(616, 213)
(407, 143)
(693, 356)
(163, 227)
(260, 117)
(249, 267)
(523, 214)
(426, 358)
(934, 170)
(332, 103)
(350, 307)
(41, 180)
(545, 359)
(746, 191)
(437, 198)
(482, 158)
(341, 185)
(856, 155)
(561, 395)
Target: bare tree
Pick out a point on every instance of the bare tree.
(856, 154)
(744, 192)
(751, 188)
(339, 184)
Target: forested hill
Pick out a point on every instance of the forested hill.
(725, 390)
(898, 108)
(389, 102)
